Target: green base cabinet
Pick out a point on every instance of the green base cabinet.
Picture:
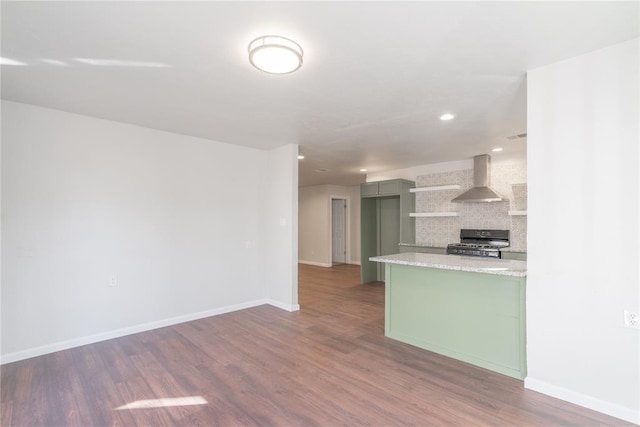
(520, 256)
(474, 317)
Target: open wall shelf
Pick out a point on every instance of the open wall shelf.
(436, 188)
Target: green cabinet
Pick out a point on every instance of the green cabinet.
(384, 223)
(369, 189)
(386, 188)
(478, 318)
(520, 256)
(392, 187)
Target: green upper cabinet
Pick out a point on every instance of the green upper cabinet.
(388, 188)
(393, 187)
(369, 189)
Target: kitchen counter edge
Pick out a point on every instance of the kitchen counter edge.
(500, 267)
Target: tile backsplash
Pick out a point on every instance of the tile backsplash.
(508, 179)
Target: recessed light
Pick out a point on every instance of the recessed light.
(447, 116)
(363, 170)
(497, 149)
(300, 157)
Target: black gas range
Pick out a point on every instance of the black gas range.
(482, 243)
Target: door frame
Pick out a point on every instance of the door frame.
(347, 227)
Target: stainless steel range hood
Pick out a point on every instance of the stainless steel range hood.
(481, 192)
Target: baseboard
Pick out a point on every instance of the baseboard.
(287, 307)
(64, 345)
(322, 264)
(627, 414)
(317, 264)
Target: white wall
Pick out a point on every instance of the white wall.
(282, 251)
(1, 210)
(186, 224)
(313, 231)
(315, 223)
(583, 230)
(413, 173)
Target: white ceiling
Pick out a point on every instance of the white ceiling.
(375, 79)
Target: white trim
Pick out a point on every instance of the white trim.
(518, 213)
(627, 414)
(287, 307)
(91, 339)
(354, 262)
(317, 264)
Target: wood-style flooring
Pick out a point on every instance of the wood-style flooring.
(327, 365)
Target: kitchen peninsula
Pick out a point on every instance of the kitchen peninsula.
(468, 308)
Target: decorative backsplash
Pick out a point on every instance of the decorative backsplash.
(508, 179)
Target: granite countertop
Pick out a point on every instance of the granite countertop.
(444, 246)
(501, 267)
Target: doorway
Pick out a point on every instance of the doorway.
(338, 231)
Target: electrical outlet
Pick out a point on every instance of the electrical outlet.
(113, 280)
(631, 319)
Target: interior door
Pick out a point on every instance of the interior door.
(338, 231)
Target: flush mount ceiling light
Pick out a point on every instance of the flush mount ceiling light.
(447, 116)
(275, 54)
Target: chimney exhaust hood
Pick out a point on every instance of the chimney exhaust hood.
(481, 192)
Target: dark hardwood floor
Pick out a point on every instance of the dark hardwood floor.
(327, 365)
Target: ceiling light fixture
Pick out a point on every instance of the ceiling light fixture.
(300, 157)
(497, 149)
(363, 170)
(275, 54)
(447, 116)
